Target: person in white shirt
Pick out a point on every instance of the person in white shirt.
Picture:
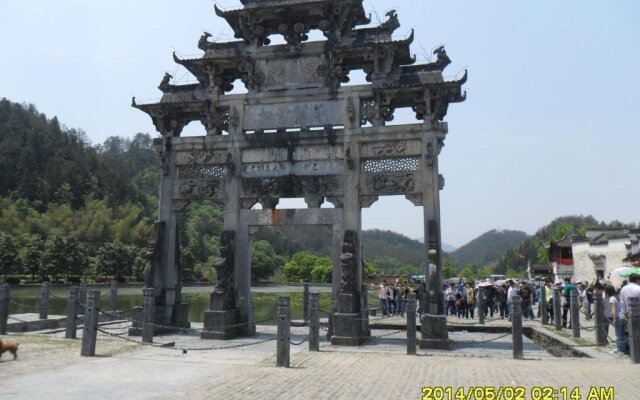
(632, 289)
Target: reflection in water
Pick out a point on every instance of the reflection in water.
(265, 304)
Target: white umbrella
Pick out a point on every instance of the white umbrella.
(485, 284)
(618, 270)
(500, 282)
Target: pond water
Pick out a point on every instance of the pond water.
(264, 299)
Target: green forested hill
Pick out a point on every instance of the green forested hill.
(487, 248)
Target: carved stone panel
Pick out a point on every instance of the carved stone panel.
(390, 149)
(201, 157)
(292, 186)
(397, 164)
(293, 115)
(293, 73)
(390, 184)
(200, 171)
(199, 189)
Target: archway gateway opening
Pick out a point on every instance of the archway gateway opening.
(298, 133)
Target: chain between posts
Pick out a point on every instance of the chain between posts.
(299, 343)
(25, 306)
(483, 341)
(186, 349)
(177, 328)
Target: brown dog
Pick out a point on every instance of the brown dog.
(11, 347)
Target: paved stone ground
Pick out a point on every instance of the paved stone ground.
(50, 367)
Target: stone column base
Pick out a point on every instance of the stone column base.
(348, 330)
(434, 332)
(221, 325)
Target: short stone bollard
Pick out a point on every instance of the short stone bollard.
(634, 329)
(575, 314)
(44, 300)
(148, 301)
(90, 331)
(305, 302)
(557, 309)
(330, 320)
(284, 332)
(114, 296)
(4, 307)
(314, 322)
(72, 313)
(516, 328)
(364, 309)
(600, 319)
(82, 299)
(411, 324)
(481, 305)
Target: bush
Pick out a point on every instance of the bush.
(12, 280)
(73, 279)
(203, 280)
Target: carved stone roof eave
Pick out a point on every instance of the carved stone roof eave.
(451, 89)
(273, 14)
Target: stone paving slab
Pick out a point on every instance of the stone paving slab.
(50, 367)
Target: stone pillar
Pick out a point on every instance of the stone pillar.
(516, 328)
(575, 314)
(557, 309)
(44, 300)
(284, 327)
(481, 305)
(600, 320)
(348, 321)
(314, 323)
(147, 315)
(544, 314)
(431, 186)
(305, 302)
(114, 296)
(242, 280)
(434, 332)
(411, 324)
(634, 329)
(4, 307)
(90, 331)
(72, 313)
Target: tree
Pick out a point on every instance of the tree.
(323, 272)
(32, 261)
(54, 259)
(115, 259)
(449, 269)
(9, 258)
(187, 264)
(467, 274)
(264, 261)
(300, 266)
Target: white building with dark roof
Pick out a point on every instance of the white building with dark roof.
(601, 251)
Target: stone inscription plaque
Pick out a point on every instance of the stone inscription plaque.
(312, 168)
(299, 153)
(293, 115)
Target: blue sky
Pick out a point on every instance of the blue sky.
(550, 126)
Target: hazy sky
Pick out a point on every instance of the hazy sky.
(550, 126)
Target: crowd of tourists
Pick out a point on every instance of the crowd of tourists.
(461, 300)
(393, 296)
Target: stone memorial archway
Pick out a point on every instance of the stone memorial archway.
(298, 133)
